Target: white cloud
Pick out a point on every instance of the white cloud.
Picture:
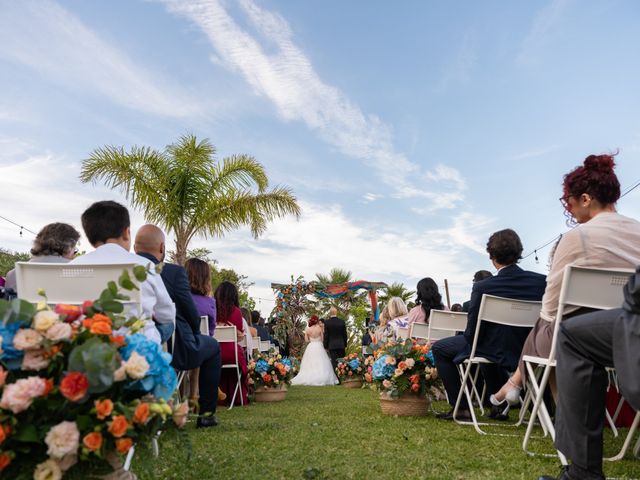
(49, 39)
(544, 28)
(370, 197)
(276, 68)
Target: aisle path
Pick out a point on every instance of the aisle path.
(335, 433)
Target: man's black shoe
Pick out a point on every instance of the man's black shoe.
(573, 472)
(499, 412)
(463, 415)
(205, 421)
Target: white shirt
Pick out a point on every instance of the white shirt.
(154, 296)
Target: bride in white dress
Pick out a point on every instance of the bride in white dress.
(315, 367)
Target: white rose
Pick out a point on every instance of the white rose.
(27, 339)
(410, 362)
(137, 366)
(49, 470)
(44, 320)
(120, 374)
(59, 331)
(63, 439)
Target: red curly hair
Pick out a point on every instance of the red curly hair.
(596, 178)
(314, 320)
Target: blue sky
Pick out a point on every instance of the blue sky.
(409, 131)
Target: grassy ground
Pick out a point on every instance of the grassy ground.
(335, 433)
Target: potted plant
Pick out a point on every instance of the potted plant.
(76, 393)
(350, 370)
(404, 374)
(270, 375)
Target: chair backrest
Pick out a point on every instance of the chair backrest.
(204, 325)
(419, 330)
(364, 350)
(443, 323)
(70, 284)
(225, 333)
(264, 345)
(403, 333)
(256, 343)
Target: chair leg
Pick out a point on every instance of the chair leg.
(627, 441)
(128, 460)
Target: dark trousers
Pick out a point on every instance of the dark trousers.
(584, 350)
(335, 354)
(444, 353)
(210, 366)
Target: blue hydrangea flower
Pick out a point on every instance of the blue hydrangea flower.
(286, 362)
(11, 356)
(262, 366)
(161, 378)
(354, 364)
(381, 370)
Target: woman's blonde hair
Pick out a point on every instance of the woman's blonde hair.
(397, 308)
(384, 316)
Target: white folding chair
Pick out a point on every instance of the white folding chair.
(500, 311)
(443, 323)
(204, 325)
(228, 334)
(256, 343)
(264, 345)
(419, 331)
(596, 288)
(403, 333)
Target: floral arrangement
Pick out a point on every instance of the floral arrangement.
(404, 367)
(76, 394)
(350, 367)
(272, 370)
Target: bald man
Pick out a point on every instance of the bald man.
(191, 349)
(335, 336)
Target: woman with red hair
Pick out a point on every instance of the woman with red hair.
(315, 367)
(603, 238)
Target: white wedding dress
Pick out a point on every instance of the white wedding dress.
(315, 367)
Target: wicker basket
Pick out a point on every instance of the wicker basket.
(271, 394)
(407, 405)
(352, 383)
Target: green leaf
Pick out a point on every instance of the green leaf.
(140, 273)
(84, 422)
(128, 284)
(106, 296)
(98, 360)
(113, 306)
(113, 288)
(27, 433)
(124, 276)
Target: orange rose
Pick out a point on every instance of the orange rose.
(117, 340)
(70, 312)
(141, 413)
(93, 441)
(74, 386)
(48, 386)
(3, 435)
(5, 460)
(100, 328)
(103, 408)
(100, 317)
(402, 365)
(118, 426)
(266, 378)
(53, 350)
(123, 445)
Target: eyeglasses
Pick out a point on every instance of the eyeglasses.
(564, 200)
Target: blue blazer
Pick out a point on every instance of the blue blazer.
(500, 343)
(187, 341)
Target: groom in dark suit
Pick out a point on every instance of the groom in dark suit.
(335, 336)
(499, 343)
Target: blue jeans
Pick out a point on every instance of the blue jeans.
(165, 330)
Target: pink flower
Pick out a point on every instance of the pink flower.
(63, 439)
(390, 360)
(18, 396)
(386, 384)
(410, 362)
(180, 414)
(27, 339)
(59, 331)
(34, 360)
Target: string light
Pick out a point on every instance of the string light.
(18, 225)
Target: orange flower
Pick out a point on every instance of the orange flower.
(117, 340)
(266, 378)
(103, 408)
(402, 365)
(74, 386)
(100, 328)
(5, 460)
(70, 312)
(123, 445)
(48, 386)
(99, 317)
(118, 426)
(53, 350)
(93, 441)
(3, 435)
(141, 413)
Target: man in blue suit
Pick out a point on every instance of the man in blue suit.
(191, 349)
(499, 343)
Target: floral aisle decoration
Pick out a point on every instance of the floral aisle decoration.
(404, 373)
(76, 392)
(270, 375)
(350, 370)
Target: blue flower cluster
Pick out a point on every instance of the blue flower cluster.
(285, 361)
(262, 366)
(11, 356)
(161, 378)
(354, 364)
(381, 370)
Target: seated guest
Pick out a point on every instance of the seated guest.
(191, 348)
(499, 343)
(55, 243)
(199, 274)
(427, 297)
(249, 330)
(477, 277)
(383, 332)
(456, 307)
(587, 345)
(229, 313)
(246, 315)
(107, 227)
(258, 324)
(397, 314)
(603, 238)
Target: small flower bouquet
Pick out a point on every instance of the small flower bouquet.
(350, 370)
(402, 368)
(271, 371)
(75, 394)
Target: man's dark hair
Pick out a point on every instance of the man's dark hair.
(105, 220)
(505, 247)
(481, 275)
(255, 317)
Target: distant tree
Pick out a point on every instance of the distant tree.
(188, 192)
(396, 289)
(8, 260)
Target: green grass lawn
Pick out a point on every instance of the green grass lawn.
(336, 433)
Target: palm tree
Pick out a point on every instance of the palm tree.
(188, 192)
(396, 289)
